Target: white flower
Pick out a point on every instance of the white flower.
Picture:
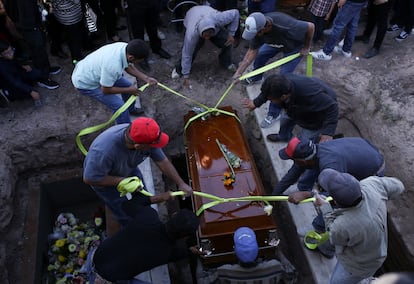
(268, 209)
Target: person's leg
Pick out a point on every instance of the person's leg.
(290, 66)
(286, 127)
(124, 83)
(341, 276)
(33, 76)
(253, 6)
(75, 41)
(151, 24)
(381, 14)
(371, 20)
(110, 196)
(136, 17)
(110, 18)
(352, 25)
(225, 54)
(343, 17)
(274, 110)
(113, 102)
(320, 24)
(36, 42)
(265, 53)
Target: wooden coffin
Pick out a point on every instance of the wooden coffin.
(206, 166)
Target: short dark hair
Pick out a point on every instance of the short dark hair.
(138, 48)
(274, 86)
(183, 223)
(4, 45)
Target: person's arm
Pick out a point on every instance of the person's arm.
(308, 39)
(169, 170)
(105, 181)
(190, 41)
(132, 70)
(388, 187)
(133, 90)
(230, 18)
(161, 197)
(290, 178)
(247, 60)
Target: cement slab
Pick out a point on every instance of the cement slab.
(302, 214)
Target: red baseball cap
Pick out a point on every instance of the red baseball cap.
(145, 130)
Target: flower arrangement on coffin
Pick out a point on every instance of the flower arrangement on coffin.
(70, 243)
(232, 160)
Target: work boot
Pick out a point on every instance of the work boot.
(274, 138)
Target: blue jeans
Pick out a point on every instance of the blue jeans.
(113, 102)
(346, 18)
(265, 53)
(264, 6)
(341, 276)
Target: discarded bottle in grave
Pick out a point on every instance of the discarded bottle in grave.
(199, 110)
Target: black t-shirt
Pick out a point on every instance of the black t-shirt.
(287, 33)
(140, 246)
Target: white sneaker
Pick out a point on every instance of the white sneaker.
(161, 35)
(321, 55)
(339, 50)
(269, 121)
(146, 38)
(232, 67)
(174, 74)
(341, 43)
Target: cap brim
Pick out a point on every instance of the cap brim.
(247, 35)
(283, 155)
(163, 141)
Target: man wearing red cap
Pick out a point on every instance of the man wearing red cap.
(115, 155)
(355, 156)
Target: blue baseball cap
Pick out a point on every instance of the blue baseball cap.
(245, 245)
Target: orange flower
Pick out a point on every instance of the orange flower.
(228, 182)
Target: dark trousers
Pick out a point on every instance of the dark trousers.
(407, 14)
(26, 78)
(223, 5)
(109, 16)
(36, 42)
(143, 14)
(377, 16)
(75, 40)
(320, 24)
(218, 40)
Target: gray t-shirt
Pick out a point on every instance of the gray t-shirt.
(287, 33)
(108, 155)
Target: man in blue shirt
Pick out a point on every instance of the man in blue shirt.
(115, 155)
